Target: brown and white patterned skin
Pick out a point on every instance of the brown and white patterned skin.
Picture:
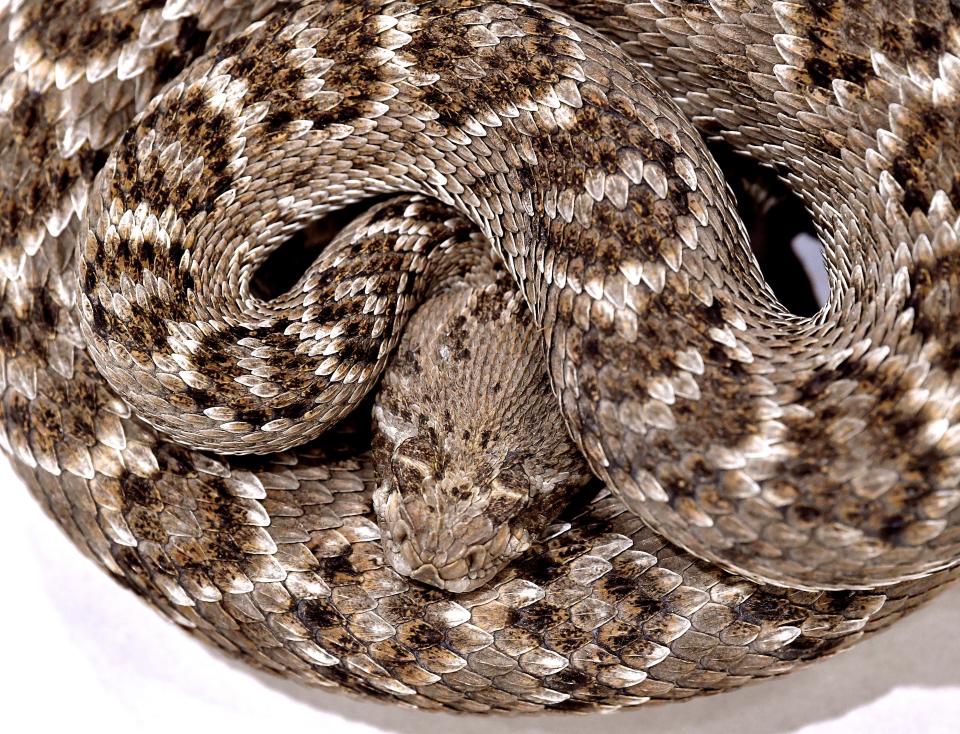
(814, 452)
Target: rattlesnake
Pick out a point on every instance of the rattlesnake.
(153, 154)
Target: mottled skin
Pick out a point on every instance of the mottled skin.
(711, 411)
(815, 452)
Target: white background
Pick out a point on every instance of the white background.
(80, 652)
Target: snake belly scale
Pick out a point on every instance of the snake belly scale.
(776, 487)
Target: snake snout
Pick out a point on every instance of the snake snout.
(431, 537)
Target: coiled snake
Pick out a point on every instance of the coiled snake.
(154, 154)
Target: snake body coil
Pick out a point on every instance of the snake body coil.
(199, 438)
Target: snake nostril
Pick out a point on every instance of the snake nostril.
(475, 558)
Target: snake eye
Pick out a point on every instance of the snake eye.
(412, 462)
(510, 491)
(407, 473)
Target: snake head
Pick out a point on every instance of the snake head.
(453, 525)
(473, 457)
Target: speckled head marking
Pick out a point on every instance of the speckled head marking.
(473, 455)
(155, 153)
